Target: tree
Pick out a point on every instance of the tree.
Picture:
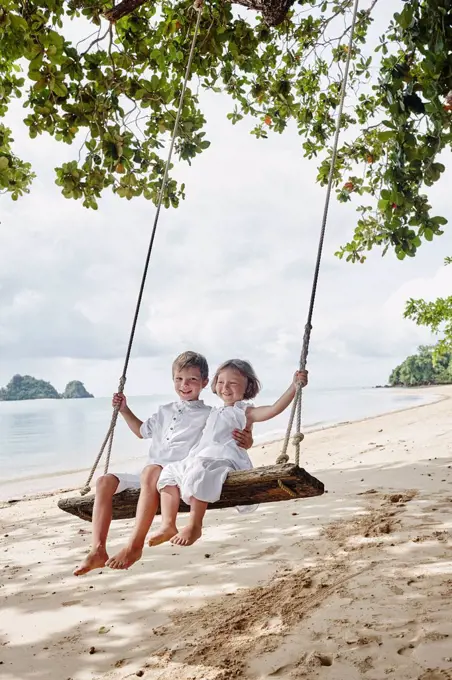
(423, 368)
(436, 315)
(26, 387)
(115, 94)
(75, 390)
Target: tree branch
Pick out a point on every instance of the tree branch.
(125, 7)
(273, 11)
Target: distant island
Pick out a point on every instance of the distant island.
(423, 368)
(22, 387)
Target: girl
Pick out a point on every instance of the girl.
(199, 479)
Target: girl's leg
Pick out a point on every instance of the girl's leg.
(102, 514)
(193, 531)
(169, 503)
(148, 503)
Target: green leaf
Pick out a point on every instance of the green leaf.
(59, 88)
(385, 135)
(439, 220)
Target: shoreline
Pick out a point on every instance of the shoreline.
(436, 397)
(342, 423)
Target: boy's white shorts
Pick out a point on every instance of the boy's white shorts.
(127, 480)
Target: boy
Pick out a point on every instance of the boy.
(174, 430)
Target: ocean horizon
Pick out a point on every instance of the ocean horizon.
(47, 444)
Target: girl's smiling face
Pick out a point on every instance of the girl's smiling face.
(231, 386)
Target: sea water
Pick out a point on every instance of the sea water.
(42, 441)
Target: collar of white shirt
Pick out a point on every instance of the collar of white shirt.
(198, 403)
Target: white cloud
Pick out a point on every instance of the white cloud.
(231, 273)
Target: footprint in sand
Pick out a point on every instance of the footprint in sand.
(406, 651)
(271, 550)
(280, 670)
(437, 674)
(308, 661)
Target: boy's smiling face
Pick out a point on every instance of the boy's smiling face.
(188, 383)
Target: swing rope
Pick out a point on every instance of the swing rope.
(297, 403)
(296, 410)
(108, 441)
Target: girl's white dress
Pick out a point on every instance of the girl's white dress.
(203, 473)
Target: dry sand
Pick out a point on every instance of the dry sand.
(354, 584)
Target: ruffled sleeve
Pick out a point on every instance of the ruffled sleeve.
(243, 405)
(240, 411)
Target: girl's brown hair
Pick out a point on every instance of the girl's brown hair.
(245, 368)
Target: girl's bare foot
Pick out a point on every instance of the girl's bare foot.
(187, 535)
(125, 557)
(96, 559)
(165, 534)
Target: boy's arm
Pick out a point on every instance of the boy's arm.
(132, 421)
(120, 401)
(244, 438)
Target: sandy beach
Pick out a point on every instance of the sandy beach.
(354, 584)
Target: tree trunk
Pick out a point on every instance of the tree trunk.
(248, 487)
(273, 11)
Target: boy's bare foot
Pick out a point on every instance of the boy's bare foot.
(165, 534)
(96, 559)
(125, 557)
(187, 535)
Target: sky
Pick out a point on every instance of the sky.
(230, 275)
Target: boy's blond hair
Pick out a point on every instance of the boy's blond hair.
(192, 360)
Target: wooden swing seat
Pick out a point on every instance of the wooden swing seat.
(248, 487)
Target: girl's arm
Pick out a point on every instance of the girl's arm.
(258, 414)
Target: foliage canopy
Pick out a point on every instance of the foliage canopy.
(423, 368)
(115, 94)
(435, 315)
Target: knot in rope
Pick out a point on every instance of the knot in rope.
(108, 441)
(297, 438)
(282, 458)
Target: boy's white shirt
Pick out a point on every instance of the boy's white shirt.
(174, 430)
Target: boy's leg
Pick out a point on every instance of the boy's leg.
(189, 534)
(169, 500)
(148, 503)
(102, 514)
